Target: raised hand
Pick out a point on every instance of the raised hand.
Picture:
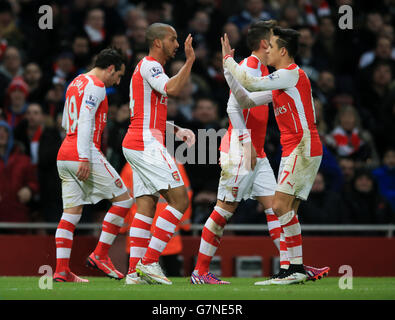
(189, 52)
(226, 48)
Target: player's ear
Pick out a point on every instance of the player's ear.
(157, 43)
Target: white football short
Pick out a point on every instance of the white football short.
(297, 172)
(153, 169)
(103, 183)
(237, 183)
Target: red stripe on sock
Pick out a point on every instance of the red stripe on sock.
(110, 228)
(293, 241)
(168, 216)
(64, 224)
(210, 237)
(137, 223)
(218, 219)
(119, 211)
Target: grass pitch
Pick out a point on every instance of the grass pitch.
(101, 288)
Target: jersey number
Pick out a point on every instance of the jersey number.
(72, 114)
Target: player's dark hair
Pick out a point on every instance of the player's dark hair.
(288, 39)
(156, 31)
(108, 57)
(260, 30)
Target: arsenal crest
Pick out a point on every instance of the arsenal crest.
(176, 176)
(118, 183)
(235, 190)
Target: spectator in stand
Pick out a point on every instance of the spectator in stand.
(254, 10)
(363, 204)
(174, 114)
(64, 69)
(347, 166)
(54, 99)
(121, 42)
(219, 89)
(325, 91)
(236, 40)
(198, 28)
(18, 179)
(204, 177)
(16, 105)
(132, 15)
(95, 28)
(137, 35)
(41, 142)
(374, 94)
(325, 46)
(368, 34)
(385, 177)
(9, 30)
(349, 139)
(383, 51)
(306, 59)
(33, 77)
(314, 10)
(117, 129)
(291, 17)
(323, 207)
(11, 66)
(81, 52)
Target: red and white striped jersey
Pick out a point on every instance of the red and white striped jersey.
(148, 105)
(255, 118)
(290, 91)
(84, 119)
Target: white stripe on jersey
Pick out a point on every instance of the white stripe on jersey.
(295, 95)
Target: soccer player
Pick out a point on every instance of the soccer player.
(154, 171)
(244, 142)
(86, 175)
(246, 171)
(290, 91)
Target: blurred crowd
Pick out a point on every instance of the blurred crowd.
(351, 71)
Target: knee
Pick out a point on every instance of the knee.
(278, 207)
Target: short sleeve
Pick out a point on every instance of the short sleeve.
(153, 73)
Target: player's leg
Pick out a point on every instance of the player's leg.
(73, 198)
(284, 206)
(112, 223)
(177, 203)
(140, 234)
(148, 267)
(64, 242)
(210, 240)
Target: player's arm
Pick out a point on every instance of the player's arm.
(177, 82)
(154, 74)
(245, 98)
(280, 79)
(91, 100)
(183, 134)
